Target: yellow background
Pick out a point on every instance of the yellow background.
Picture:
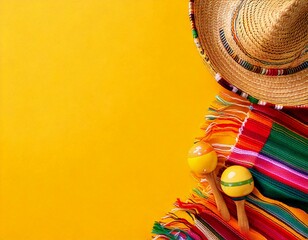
(100, 101)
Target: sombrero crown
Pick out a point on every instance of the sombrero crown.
(258, 46)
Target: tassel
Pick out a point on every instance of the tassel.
(159, 229)
(168, 233)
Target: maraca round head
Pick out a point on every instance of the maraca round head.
(237, 181)
(202, 158)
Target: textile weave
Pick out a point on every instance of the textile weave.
(273, 146)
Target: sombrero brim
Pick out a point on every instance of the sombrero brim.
(209, 18)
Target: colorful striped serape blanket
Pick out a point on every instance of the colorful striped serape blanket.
(274, 147)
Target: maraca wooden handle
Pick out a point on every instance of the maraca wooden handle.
(220, 202)
(241, 216)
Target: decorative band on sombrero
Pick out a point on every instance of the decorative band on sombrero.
(258, 48)
(258, 69)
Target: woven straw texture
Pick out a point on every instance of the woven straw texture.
(259, 46)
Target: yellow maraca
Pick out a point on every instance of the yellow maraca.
(202, 160)
(237, 182)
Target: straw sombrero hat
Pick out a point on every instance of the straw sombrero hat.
(258, 47)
